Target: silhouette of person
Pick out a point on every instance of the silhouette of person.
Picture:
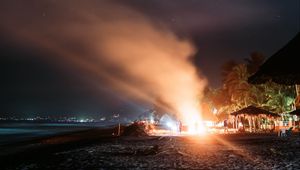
(225, 126)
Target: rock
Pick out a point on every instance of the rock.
(231, 156)
(135, 130)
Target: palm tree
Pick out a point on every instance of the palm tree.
(227, 68)
(237, 85)
(255, 60)
(218, 99)
(237, 93)
(280, 98)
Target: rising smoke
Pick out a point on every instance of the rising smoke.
(136, 56)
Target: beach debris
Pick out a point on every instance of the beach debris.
(135, 129)
(150, 150)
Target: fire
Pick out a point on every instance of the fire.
(196, 128)
(193, 120)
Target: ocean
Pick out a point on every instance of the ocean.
(11, 132)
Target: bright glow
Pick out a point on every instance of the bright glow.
(196, 128)
(151, 120)
(209, 123)
(215, 111)
(172, 126)
(219, 124)
(240, 125)
(193, 120)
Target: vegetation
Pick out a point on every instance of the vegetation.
(236, 93)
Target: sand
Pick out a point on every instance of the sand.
(98, 149)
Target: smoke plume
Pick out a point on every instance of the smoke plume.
(136, 56)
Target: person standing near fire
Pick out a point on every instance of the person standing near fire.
(179, 126)
(225, 126)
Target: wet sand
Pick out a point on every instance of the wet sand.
(98, 149)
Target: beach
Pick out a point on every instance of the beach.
(98, 149)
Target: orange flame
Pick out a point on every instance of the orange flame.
(193, 120)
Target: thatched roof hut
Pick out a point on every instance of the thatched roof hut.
(282, 67)
(254, 111)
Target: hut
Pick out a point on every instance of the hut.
(254, 116)
(281, 67)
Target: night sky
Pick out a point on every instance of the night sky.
(219, 30)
